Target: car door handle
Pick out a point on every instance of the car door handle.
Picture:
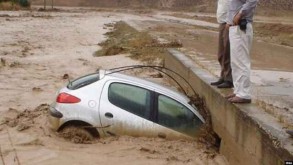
(109, 115)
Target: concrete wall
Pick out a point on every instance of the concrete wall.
(249, 135)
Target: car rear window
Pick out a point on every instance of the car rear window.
(83, 81)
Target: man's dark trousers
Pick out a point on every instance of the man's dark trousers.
(224, 53)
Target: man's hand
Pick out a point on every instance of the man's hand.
(237, 18)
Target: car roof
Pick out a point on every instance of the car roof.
(159, 88)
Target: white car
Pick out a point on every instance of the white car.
(109, 104)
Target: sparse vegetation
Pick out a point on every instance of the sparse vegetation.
(277, 4)
(275, 32)
(24, 3)
(14, 4)
(207, 134)
(140, 45)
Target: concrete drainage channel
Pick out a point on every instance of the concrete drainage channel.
(248, 135)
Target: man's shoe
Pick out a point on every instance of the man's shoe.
(236, 99)
(220, 81)
(226, 84)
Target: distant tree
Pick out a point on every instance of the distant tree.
(24, 3)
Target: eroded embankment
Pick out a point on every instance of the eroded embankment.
(140, 45)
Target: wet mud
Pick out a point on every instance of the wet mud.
(58, 48)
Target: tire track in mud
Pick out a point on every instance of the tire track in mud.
(1, 155)
(12, 146)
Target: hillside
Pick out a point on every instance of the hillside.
(206, 5)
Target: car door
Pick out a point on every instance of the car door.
(173, 115)
(125, 109)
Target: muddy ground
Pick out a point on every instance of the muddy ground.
(39, 52)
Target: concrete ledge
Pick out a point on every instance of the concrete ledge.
(249, 135)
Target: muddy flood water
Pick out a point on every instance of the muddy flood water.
(37, 49)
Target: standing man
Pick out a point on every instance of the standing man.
(225, 80)
(240, 14)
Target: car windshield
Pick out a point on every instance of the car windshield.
(83, 81)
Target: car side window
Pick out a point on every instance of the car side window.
(131, 98)
(174, 115)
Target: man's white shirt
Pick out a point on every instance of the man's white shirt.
(222, 11)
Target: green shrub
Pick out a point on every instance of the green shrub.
(24, 3)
